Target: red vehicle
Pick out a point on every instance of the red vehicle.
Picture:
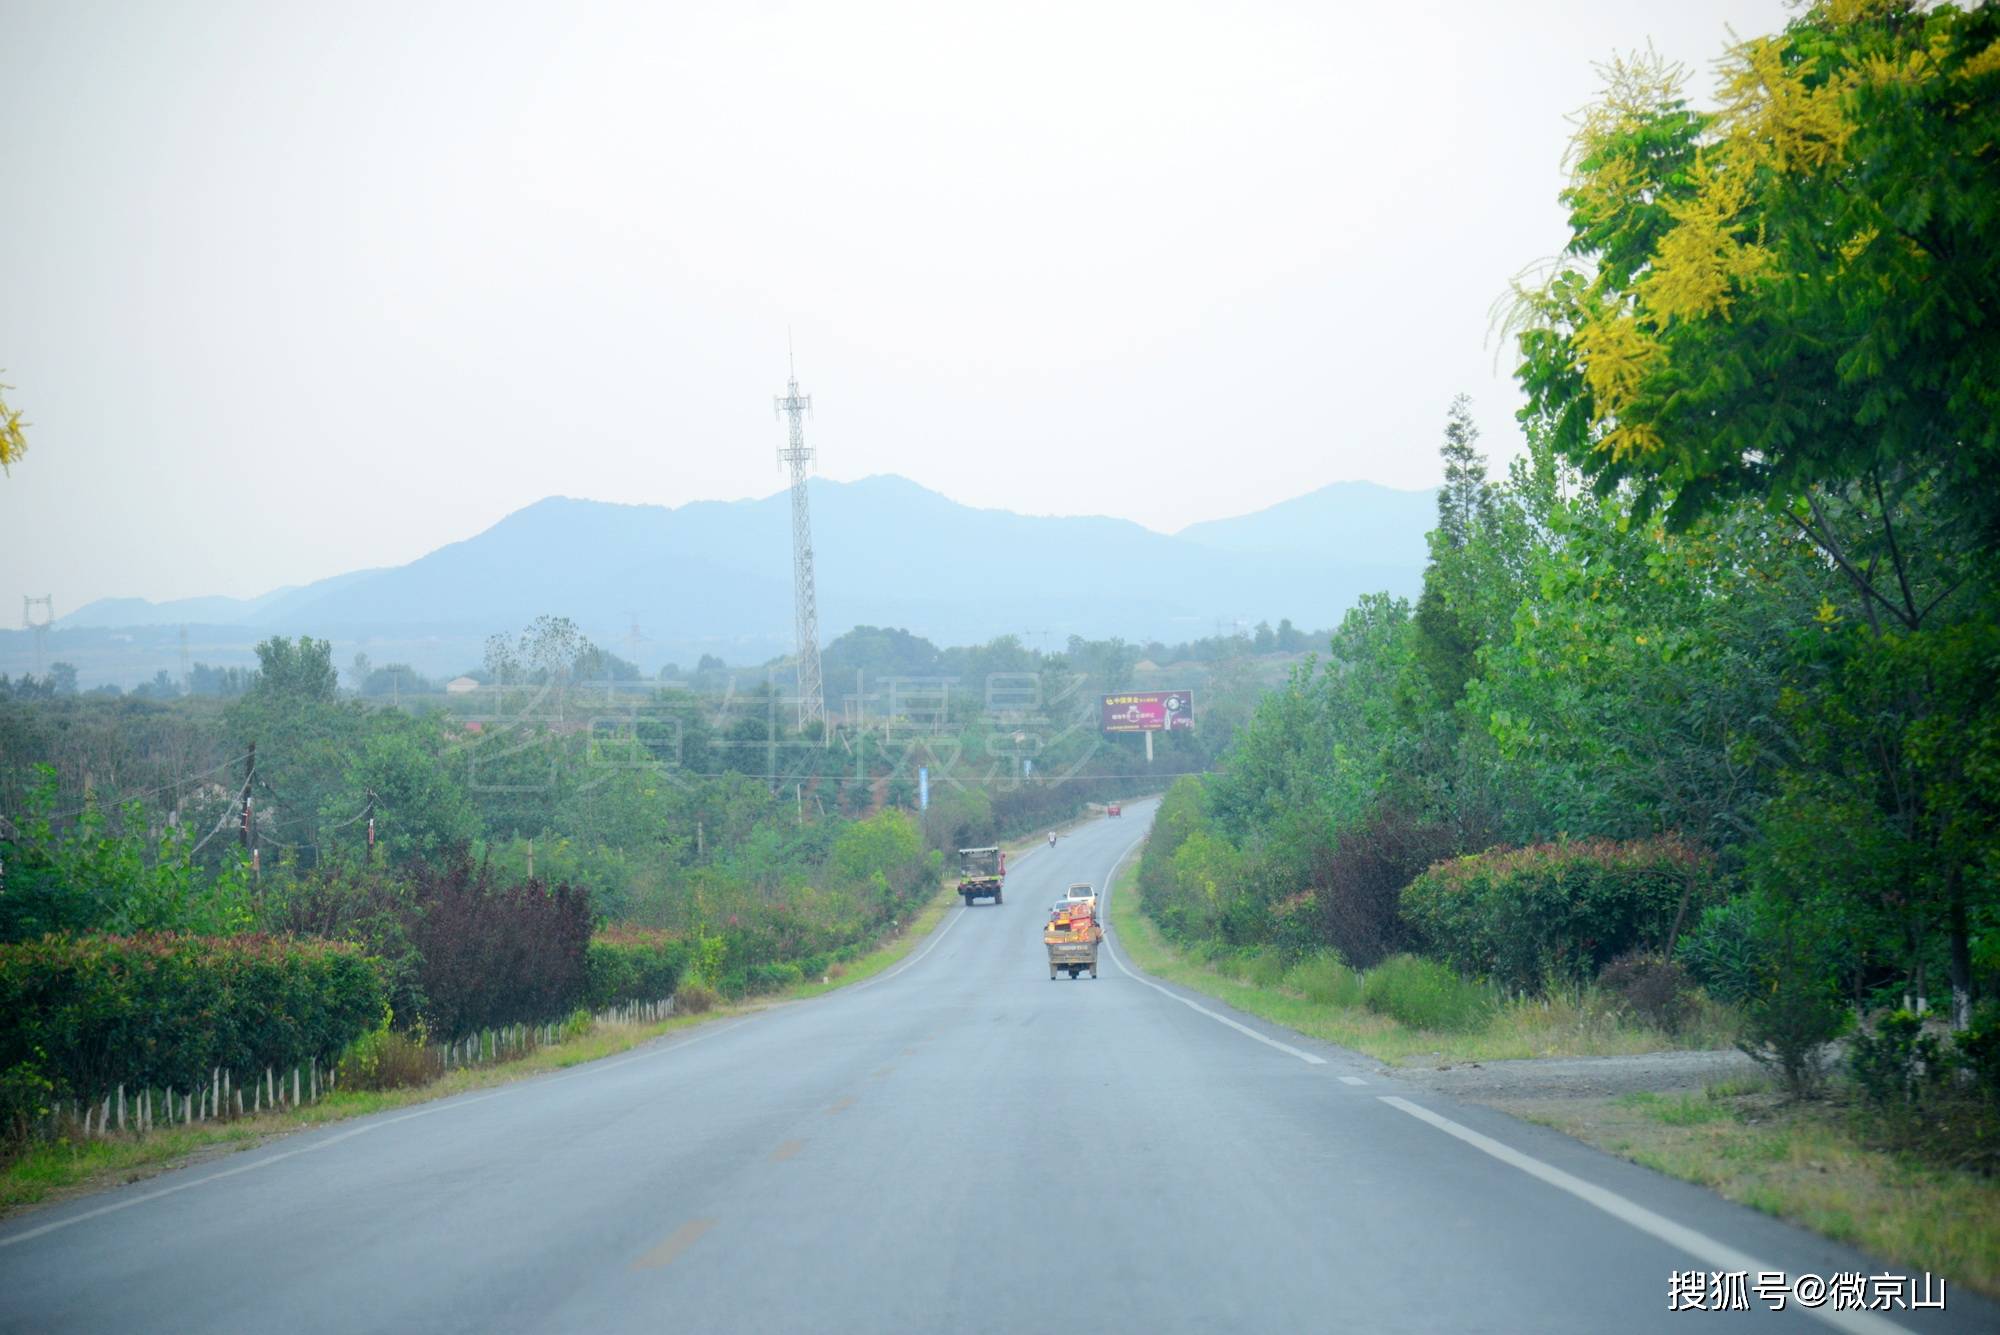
(1113, 809)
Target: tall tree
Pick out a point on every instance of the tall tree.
(1796, 297)
(1463, 498)
(301, 671)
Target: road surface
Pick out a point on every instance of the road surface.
(959, 1144)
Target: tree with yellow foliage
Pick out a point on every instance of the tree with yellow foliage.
(13, 433)
(1795, 297)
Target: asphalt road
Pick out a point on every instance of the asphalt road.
(957, 1145)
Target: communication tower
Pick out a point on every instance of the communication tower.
(805, 612)
(47, 603)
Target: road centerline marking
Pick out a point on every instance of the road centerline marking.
(677, 1242)
(1709, 1251)
(841, 1105)
(787, 1150)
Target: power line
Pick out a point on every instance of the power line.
(126, 798)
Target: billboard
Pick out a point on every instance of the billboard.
(1148, 711)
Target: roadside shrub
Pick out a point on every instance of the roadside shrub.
(26, 1096)
(1325, 981)
(497, 954)
(1788, 1024)
(624, 964)
(1725, 953)
(389, 1058)
(694, 997)
(1895, 1061)
(769, 977)
(1978, 1050)
(1650, 989)
(578, 1025)
(1359, 881)
(1425, 994)
(164, 1011)
(1264, 968)
(1565, 910)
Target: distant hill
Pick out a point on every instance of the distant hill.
(715, 577)
(1350, 521)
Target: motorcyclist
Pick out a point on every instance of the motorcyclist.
(1052, 838)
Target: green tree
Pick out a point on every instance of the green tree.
(297, 672)
(1795, 298)
(1462, 500)
(414, 792)
(1794, 301)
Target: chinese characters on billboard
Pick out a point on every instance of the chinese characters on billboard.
(1148, 711)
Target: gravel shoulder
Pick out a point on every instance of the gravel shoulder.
(1502, 1083)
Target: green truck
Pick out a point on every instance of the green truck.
(981, 872)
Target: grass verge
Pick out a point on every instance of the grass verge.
(1576, 1025)
(1802, 1162)
(63, 1168)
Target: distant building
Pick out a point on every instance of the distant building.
(460, 686)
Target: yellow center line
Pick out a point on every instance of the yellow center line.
(841, 1106)
(679, 1241)
(787, 1150)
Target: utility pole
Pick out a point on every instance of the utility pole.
(244, 801)
(805, 611)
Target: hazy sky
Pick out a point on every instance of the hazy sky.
(287, 290)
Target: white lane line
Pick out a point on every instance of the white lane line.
(1352, 1080)
(449, 1105)
(929, 946)
(581, 1069)
(1678, 1236)
(265, 1162)
(1243, 1029)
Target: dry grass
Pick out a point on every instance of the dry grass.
(1801, 1162)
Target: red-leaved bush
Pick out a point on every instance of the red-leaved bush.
(497, 954)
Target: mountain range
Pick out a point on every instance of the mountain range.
(657, 584)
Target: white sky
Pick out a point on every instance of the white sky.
(289, 290)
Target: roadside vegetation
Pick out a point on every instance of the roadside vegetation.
(387, 1069)
(210, 907)
(267, 889)
(1694, 722)
(1407, 1009)
(1825, 1164)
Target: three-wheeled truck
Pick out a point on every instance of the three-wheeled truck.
(981, 872)
(1072, 936)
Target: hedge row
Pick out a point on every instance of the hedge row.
(624, 965)
(88, 1014)
(1521, 916)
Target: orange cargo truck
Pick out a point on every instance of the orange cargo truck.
(1072, 937)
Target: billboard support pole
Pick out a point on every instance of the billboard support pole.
(1149, 747)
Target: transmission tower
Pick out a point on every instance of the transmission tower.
(805, 611)
(47, 603)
